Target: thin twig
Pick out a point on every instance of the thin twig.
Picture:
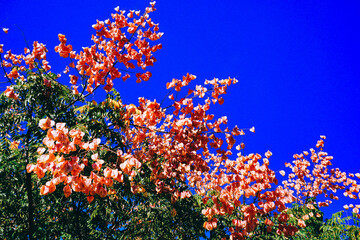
(162, 101)
(5, 70)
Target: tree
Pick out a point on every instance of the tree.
(148, 171)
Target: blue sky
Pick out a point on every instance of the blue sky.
(297, 63)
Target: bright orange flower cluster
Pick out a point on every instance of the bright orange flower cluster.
(233, 185)
(14, 61)
(126, 40)
(66, 168)
(9, 92)
(313, 177)
(123, 40)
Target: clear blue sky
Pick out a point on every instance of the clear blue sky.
(297, 62)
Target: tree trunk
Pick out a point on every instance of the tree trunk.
(29, 190)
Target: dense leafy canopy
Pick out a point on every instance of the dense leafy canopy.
(75, 168)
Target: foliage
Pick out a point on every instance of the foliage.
(144, 171)
(339, 227)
